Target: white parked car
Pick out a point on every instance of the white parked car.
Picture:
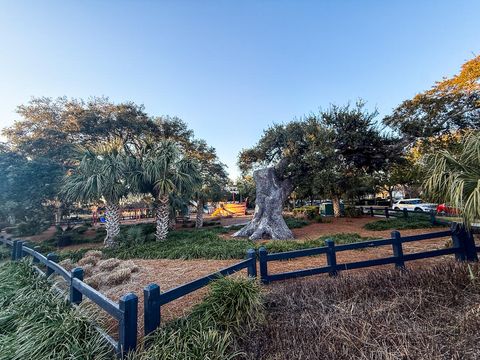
(414, 205)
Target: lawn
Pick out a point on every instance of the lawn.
(213, 242)
(204, 244)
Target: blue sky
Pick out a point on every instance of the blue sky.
(231, 68)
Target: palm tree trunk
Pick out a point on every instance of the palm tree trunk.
(162, 218)
(112, 225)
(199, 218)
(337, 212)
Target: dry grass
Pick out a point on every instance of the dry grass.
(67, 264)
(431, 313)
(108, 264)
(118, 276)
(88, 260)
(129, 264)
(94, 253)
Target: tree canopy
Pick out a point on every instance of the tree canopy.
(450, 105)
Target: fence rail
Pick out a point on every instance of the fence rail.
(125, 312)
(463, 247)
(388, 212)
(153, 299)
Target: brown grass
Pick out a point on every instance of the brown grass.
(118, 276)
(108, 264)
(431, 313)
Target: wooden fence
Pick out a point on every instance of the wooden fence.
(463, 246)
(153, 299)
(126, 310)
(388, 212)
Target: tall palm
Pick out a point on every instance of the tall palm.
(454, 177)
(100, 175)
(161, 169)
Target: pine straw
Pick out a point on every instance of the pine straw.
(431, 313)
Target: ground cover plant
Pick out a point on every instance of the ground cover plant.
(232, 308)
(401, 223)
(37, 324)
(207, 244)
(430, 313)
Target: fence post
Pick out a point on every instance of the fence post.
(398, 250)
(252, 267)
(262, 254)
(331, 257)
(371, 211)
(387, 214)
(464, 241)
(19, 255)
(37, 249)
(433, 220)
(52, 257)
(151, 308)
(405, 213)
(14, 250)
(127, 332)
(75, 295)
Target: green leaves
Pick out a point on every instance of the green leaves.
(454, 177)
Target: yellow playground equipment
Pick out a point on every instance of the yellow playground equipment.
(227, 209)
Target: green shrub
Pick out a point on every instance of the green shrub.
(212, 329)
(294, 223)
(353, 212)
(31, 227)
(36, 324)
(64, 240)
(401, 223)
(309, 211)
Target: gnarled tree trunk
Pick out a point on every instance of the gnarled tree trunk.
(199, 217)
(162, 218)
(268, 221)
(112, 224)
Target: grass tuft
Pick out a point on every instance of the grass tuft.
(212, 330)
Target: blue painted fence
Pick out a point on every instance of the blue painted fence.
(463, 247)
(125, 311)
(154, 299)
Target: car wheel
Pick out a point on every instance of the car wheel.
(396, 208)
(418, 210)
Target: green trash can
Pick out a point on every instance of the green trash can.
(327, 209)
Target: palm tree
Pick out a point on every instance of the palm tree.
(160, 169)
(100, 175)
(454, 177)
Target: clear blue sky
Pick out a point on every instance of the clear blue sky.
(231, 68)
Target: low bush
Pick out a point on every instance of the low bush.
(401, 223)
(232, 307)
(31, 227)
(309, 211)
(295, 223)
(353, 212)
(36, 324)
